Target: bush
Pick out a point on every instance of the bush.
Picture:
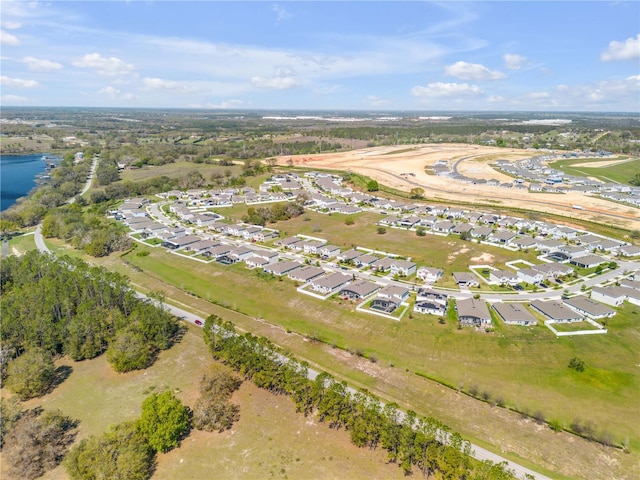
(164, 421)
(128, 351)
(31, 374)
(122, 452)
(213, 410)
(349, 221)
(37, 442)
(576, 364)
(381, 230)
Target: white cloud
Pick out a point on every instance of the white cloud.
(10, 25)
(472, 71)
(107, 66)
(13, 100)
(115, 94)
(233, 103)
(627, 50)
(170, 85)
(275, 83)
(374, 101)
(41, 65)
(281, 12)
(440, 89)
(8, 39)
(17, 82)
(513, 61)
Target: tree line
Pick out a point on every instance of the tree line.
(410, 441)
(64, 306)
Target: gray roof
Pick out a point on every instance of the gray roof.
(471, 307)
(513, 312)
(281, 268)
(361, 288)
(555, 310)
(305, 274)
(589, 306)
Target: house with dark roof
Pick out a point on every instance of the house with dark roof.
(473, 312)
(514, 314)
(359, 289)
(589, 307)
(556, 311)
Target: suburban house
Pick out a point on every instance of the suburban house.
(503, 237)
(429, 274)
(329, 251)
(529, 275)
(514, 314)
(365, 260)
(394, 293)
(312, 247)
(444, 226)
(348, 256)
(430, 302)
(525, 242)
(403, 268)
(202, 245)
(382, 264)
(181, 241)
(462, 228)
(587, 261)
(590, 308)
(282, 268)
(504, 277)
(359, 289)
(466, 279)
(287, 242)
(330, 283)
(481, 232)
(305, 274)
(553, 270)
(256, 262)
(217, 251)
(556, 311)
(629, 251)
(473, 312)
(614, 296)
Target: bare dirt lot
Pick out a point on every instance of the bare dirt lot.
(403, 168)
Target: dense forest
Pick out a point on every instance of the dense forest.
(64, 306)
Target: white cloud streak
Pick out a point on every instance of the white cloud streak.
(7, 38)
(107, 66)
(41, 65)
(17, 82)
(513, 61)
(472, 71)
(441, 89)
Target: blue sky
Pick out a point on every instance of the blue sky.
(365, 55)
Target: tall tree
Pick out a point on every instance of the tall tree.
(164, 421)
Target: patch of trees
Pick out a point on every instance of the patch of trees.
(277, 212)
(122, 452)
(635, 180)
(66, 181)
(411, 442)
(213, 411)
(119, 190)
(64, 306)
(107, 172)
(34, 441)
(90, 232)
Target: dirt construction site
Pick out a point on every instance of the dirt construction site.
(405, 167)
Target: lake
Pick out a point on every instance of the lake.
(18, 175)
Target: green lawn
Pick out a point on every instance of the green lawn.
(620, 173)
(525, 366)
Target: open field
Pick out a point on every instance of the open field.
(619, 171)
(385, 164)
(527, 368)
(256, 447)
(177, 169)
(25, 144)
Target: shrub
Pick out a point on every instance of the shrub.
(576, 364)
(164, 421)
(31, 374)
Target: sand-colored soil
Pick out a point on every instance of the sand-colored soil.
(390, 165)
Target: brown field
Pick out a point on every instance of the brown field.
(270, 440)
(386, 164)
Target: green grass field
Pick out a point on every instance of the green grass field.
(619, 173)
(526, 367)
(257, 446)
(177, 169)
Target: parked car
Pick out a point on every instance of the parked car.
(198, 322)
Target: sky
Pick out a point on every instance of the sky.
(328, 55)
